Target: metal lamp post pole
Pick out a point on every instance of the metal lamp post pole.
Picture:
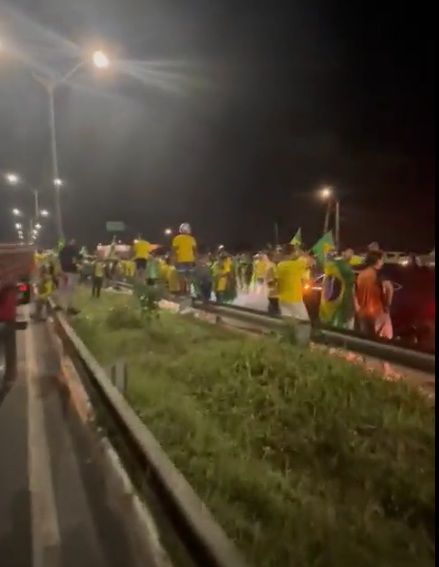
(54, 154)
(50, 86)
(36, 203)
(327, 215)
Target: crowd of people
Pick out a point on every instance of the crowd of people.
(353, 292)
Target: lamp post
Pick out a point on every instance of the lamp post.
(327, 193)
(100, 61)
(14, 179)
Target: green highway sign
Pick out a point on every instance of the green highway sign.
(115, 226)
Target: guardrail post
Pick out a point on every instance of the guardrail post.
(118, 374)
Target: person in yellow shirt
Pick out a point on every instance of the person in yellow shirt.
(220, 277)
(290, 275)
(141, 250)
(184, 248)
(97, 277)
(260, 268)
(44, 289)
(170, 277)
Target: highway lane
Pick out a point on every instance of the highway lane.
(54, 509)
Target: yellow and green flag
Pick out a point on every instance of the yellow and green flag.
(337, 299)
(321, 248)
(297, 238)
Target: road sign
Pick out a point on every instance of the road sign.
(115, 226)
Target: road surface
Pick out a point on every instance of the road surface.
(54, 510)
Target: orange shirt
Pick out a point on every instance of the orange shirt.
(369, 294)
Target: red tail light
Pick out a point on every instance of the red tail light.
(22, 288)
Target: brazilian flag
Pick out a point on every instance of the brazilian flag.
(297, 238)
(322, 248)
(337, 300)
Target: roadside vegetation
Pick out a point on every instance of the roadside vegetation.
(305, 459)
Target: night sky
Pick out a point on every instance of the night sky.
(226, 114)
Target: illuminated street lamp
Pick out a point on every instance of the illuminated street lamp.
(327, 193)
(38, 226)
(168, 231)
(12, 178)
(18, 226)
(16, 212)
(44, 213)
(100, 60)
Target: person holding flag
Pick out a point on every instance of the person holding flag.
(290, 274)
(321, 249)
(337, 304)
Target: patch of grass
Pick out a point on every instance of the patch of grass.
(305, 459)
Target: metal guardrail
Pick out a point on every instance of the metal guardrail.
(383, 350)
(387, 351)
(204, 539)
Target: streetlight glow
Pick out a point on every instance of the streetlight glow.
(12, 178)
(326, 193)
(168, 231)
(57, 182)
(16, 212)
(100, 60)
(38, 226)
(44, 213)
(18, 226)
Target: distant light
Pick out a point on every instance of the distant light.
(44, 213)
(18, 226)
(16, 212)
(12, 178)
(326, 193)
(168, 231)
(58, 182)
(38, 225)
(100, 60)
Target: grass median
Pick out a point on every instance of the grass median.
(304, 459)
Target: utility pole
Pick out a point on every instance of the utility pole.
(327, 215)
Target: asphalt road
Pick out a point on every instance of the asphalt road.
(54, 509)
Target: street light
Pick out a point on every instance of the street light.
(44, 213)
(12, 178)
(16, 212)
(327, 193)
(100, 61)
(38, 226)
(18, 226)
(168, 231)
